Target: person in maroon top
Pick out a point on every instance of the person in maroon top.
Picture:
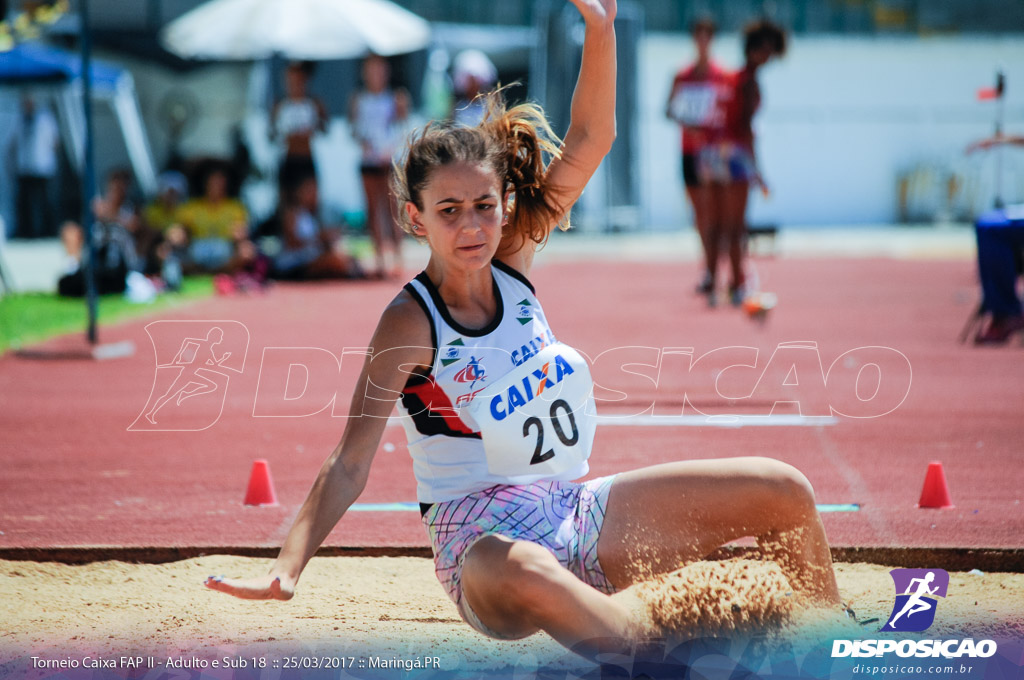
(695, 102)
(733, 160)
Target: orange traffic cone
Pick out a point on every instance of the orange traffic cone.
(935, 493)
(261, 487)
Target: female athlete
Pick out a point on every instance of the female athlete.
(496, 409)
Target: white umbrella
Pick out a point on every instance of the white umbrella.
(295, 29)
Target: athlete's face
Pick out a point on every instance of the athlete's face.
(462, 215)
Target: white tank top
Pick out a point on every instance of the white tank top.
(297, 116)
(445, 441)
(375, 125)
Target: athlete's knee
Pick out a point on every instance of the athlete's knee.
(524, 575)
(789, 488)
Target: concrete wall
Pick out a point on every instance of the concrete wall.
(842, 118)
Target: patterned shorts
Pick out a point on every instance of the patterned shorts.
(564, 517)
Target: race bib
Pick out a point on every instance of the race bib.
(694, 105)
(539, 418)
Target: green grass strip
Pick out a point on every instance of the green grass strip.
(28, 318)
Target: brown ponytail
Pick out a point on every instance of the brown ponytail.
(517, 143)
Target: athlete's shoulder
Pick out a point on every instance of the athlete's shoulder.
(404, 322)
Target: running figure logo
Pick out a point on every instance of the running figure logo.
(195, 360)
(473, 372)
(914, 609)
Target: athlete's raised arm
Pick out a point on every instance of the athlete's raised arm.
(592, 116)
(542, 200)
(401, 343)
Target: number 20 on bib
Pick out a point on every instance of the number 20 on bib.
(538, 420)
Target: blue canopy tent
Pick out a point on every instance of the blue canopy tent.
(35, 65)
(31, 63)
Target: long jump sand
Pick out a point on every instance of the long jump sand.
(395, 608)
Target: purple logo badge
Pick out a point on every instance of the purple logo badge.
(916, 590)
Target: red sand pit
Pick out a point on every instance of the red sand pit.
(76, 475)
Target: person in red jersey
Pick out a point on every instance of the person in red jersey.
(695, 102)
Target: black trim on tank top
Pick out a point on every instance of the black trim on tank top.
(442, 308)
(430, 319)
(515, 274)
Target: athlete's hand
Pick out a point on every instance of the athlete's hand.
(762, 185)
(596, 10)
(267, 587)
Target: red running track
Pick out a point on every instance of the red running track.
(74, 475)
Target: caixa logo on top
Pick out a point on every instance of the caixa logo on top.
(913, 611)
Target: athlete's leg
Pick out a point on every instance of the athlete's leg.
(374, 183)
(716, 227)
(734, 226)
(700, 199)
(516, 588)
(660, 517)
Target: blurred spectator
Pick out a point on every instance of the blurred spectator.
(295, 119)
(115, 205)
(247, 270)
(116, 208)
(309, 250)
(114, 233)
(214, 223)
(163, 212)
(378, 117)
(474, 74)
(733, 160)
(162, 216)
(35, 143)
(695, 102)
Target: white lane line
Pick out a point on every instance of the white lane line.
(784, 420)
